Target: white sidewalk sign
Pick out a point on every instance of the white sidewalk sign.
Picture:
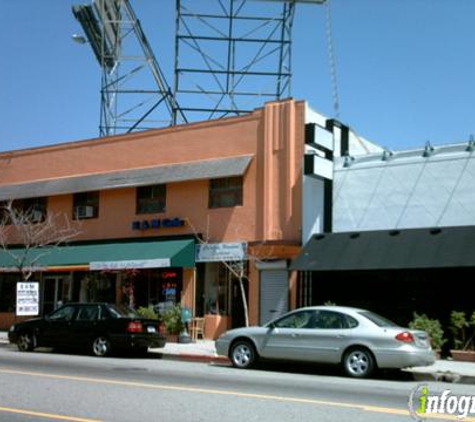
(27, 298)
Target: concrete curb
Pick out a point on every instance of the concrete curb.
(186, 357)
(450, 377)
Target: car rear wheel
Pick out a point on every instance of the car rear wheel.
(26, 342)
(101, 346)
(243, 354)
(358, 362)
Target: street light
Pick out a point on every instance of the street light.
(79, 39)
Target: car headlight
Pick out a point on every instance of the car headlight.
(12, 328)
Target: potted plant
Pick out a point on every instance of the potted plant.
(463, 331)
(173, 323)
(433, 327)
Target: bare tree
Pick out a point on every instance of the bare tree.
(239, 268)
(33, 234)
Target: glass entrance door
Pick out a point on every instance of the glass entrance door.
(57, 290)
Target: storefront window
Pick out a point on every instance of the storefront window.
(8, 292)
(160, 288)
(97, 286)
(217, 278)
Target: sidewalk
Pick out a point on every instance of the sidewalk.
(204, 351)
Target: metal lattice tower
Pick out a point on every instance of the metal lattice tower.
(231, 55)
(134, 92)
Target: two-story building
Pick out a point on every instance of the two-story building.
(144, 201)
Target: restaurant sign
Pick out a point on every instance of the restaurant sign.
(130, 264)
(216, 252)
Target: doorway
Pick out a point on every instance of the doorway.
(57, 289)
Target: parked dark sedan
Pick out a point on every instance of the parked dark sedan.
(100, 327)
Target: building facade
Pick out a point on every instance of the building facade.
(145, 201)
(402, 236)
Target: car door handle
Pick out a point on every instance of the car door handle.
(295, 335)
(340, 336)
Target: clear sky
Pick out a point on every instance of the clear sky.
(405, 69)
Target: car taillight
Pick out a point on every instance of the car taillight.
(135, 327)
(405, 337)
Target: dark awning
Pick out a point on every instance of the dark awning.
(445, 247)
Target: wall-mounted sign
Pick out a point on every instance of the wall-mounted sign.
(28, 298)
(157, 223)
(130, 264)
(215, 252)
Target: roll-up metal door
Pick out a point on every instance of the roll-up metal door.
(274, 294)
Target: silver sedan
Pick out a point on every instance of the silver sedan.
(359, 340)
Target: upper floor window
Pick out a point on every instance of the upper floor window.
(85, 205)
(225, 192)
(24, 211)
(151, 199)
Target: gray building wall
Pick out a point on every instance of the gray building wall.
(407, 189)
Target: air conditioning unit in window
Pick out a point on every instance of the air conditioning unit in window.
(84, 211)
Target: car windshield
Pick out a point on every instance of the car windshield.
(378, 319)
(121, 311)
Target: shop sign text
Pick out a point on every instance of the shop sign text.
(130, 264)
(157, 223)
(216, 252)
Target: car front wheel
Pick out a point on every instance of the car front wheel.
(26, 342)
(243, 354)
(358, 363)
(101, 346)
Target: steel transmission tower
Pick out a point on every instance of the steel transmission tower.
(134, 92)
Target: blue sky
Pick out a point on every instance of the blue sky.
(405, 69)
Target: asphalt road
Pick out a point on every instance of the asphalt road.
(70, 387)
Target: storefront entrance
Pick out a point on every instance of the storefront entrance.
(57, 289)
(395, 294)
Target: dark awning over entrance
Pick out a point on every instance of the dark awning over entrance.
(389, 249)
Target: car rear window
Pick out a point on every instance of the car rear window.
(121, 312)
(378, 319)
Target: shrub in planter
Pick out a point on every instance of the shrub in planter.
(172, 320)
(433, 327)
(463, 331)
(147, 312)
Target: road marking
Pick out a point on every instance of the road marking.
(44, 415)
(366, 408)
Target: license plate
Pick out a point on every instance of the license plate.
(424, 342)
(151, 330)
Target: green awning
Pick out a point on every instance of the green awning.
(106, 256)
